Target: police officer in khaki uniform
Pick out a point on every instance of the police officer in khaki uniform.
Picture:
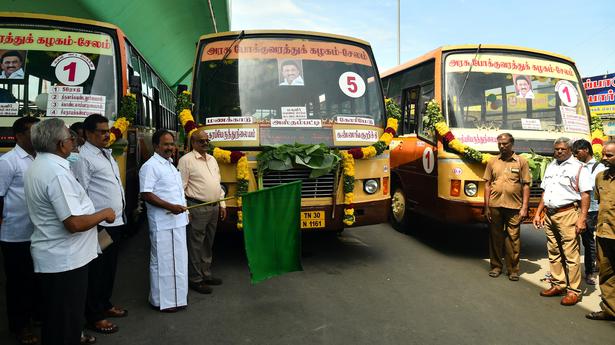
(507, 192)
(565, 200)
(605, 194)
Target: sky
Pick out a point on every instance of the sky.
(581, 30)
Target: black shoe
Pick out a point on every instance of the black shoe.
(213, 281)
(200, 287)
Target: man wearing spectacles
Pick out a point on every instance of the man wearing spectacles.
(201, 181)
(565, 201)
(99, 175)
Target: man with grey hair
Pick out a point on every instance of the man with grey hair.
(64, 240)
(565, 201)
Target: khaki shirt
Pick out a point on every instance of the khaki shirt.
(201, 177)
(506, 178)
(605, 194)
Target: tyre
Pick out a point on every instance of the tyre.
(399, 210)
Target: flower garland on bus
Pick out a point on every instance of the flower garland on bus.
(126, 115)
(597, 136)
(348, 167)
(434, 120)
(222, 156)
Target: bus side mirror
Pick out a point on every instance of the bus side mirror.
(134, 82)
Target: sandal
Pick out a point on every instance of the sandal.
(116, 311)
(600, 315)
(104, 327)
(494, 273)
(513, 277)
(87, 339)
(27, 338)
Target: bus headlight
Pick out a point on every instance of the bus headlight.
(370, 186)
(471, 188)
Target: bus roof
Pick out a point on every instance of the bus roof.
(57, 18)
(442, 49)
(291, 32)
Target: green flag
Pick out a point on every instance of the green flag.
(271, 230)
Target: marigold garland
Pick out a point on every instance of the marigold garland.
(242, 173)
(120, 126)
(393, 116)
(597, 136)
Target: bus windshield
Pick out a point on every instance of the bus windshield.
(507, 91)
(56, 72)
(297, 89)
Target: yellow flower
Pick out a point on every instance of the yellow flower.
(242, 168)
(457, 145)
(368, 152)
(185, 116)
(486, 157)
(221, 155)
(239, 203)
(597, 148)
(442, 128)
(386, 137)
(597, 134)
(186, 93)
(111, 139)
(349, 211)
(348, 198)
(391, 122)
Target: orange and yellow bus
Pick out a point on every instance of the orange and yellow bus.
(483, 90)
(71, 68)
(253, 89)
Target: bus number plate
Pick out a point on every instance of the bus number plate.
(312, 219)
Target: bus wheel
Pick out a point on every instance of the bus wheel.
(399, 211)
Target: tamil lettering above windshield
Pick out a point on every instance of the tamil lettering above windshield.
(288, 90)
(510, 91)
(56, 73)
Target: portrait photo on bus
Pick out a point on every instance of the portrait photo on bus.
(290, 72)
(12, 63)
(523, 86)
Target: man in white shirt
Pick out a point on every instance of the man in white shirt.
(99, 175)
(582, 150)
(201, 183)
(161, 189)
(291, 73)
(15, 231)
(11, 63)
(565, 200)
(64, 240)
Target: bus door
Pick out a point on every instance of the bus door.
(416, 165)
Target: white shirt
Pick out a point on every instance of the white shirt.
(296, 81)
(52, 195)
(16, 224)
(560, 181)
(100, 177)
(593, 203)
(159, 176)
(19, 74)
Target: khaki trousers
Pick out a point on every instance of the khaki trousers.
(201, 233)
(606, 259)
(564, 250)
(504, 236)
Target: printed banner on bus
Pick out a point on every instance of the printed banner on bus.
(494, 63)
(600, 91)
(55, 40)
(286, 49)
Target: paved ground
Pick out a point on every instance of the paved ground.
(372, 285)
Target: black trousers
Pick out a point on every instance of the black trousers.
(101, 278)
(64, 295)
(22, 294)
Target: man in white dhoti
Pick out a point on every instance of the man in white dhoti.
(161, 188)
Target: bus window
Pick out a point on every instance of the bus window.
(426, 94)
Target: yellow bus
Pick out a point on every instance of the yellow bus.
(254, 89)
(483, 90)
(71, 68)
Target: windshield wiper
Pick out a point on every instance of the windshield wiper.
(228, 52)
(468, 73)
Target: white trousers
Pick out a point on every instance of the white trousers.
(168, 268)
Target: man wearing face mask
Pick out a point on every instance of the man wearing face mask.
(161, 189)
(99, 175)
(565, 201)
(605, 235)
(15, 231)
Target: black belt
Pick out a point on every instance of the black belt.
(555, 210)
(197, 201)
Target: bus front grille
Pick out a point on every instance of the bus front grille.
(535, 190)
(310, 187)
